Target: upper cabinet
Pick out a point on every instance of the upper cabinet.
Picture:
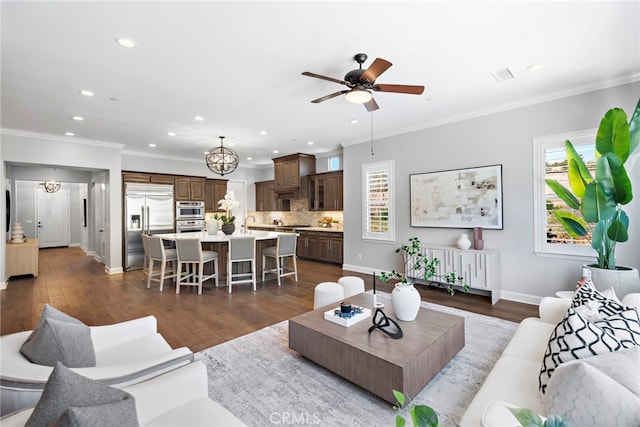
(289, 172)
(147, 178)
(188, 189)
(214, 190)
(326, 192)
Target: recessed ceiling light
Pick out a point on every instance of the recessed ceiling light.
(69, 133)
(198, 118)
(171, 133)
(86, 93)
(125, 42)
(263, 132)
(249, 158)
(353, 121)
(78, 118)
(206, 152)
(534, 67)
(152, 145)
(275, 151)
(310, 143)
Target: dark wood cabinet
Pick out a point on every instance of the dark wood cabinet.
(320, 246)
(214, 191)
(326, 192)
(289, 172)
(189, 188)
(162, 179)
(136, 177)
(265, 197)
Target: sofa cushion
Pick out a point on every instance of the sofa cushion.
(576, 390)
(574, 338)
(59, 338)
(588, 294)
(66, 391)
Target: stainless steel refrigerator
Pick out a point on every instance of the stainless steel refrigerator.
(149, 208)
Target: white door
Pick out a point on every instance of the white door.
(52, 218)
(99, 194)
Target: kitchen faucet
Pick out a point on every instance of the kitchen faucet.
(245, 222)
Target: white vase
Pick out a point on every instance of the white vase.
(623, 280)
(212, 226)
(405, 300)
(463, 241)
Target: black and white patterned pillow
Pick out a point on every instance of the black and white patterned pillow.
(574, 338)
(625, 326)
(588, 294)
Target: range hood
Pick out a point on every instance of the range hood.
(291, 173)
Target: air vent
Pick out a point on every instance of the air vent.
(502, 75)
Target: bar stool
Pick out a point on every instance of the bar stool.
(157, 252)
(285, 247)
(145, 261)
(191, 255)
(241, 250)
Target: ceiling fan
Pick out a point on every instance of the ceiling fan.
(361, 82)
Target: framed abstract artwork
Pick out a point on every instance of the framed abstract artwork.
(460, 198)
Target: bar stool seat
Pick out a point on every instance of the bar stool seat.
(242, 250)
(285, 248)
(192, 259)
(158, 253)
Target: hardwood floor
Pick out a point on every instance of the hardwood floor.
(76, 284)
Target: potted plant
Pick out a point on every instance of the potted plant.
(600, 198)
(228, 220)
(405, 297)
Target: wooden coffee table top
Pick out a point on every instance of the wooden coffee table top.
(426, 329)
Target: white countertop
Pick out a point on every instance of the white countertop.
(308, 228)
(220, 237)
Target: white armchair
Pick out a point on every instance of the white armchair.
(126, 353)
(179, 397)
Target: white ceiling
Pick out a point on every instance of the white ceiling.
(239, 65)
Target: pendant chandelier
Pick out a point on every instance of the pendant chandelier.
(222, 160)
(50, 186)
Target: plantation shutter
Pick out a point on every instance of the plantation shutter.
(377, 201)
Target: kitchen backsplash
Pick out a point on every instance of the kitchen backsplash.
(299, 215)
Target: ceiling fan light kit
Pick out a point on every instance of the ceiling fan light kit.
(222, 160)
(361, 82)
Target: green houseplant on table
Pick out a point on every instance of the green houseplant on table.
(600, 198)
(227, 204)
(405, 298)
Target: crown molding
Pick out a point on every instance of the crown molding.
(59, 138)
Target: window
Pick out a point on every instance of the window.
(550, 162)
(377, 203)
(334, 163)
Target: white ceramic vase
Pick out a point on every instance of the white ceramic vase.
(463, 241)
(212, 226)
(405, 300)
(624, 280)
(17, 233)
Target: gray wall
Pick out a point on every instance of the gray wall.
(501, 138)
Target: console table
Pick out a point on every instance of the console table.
(477, 267)
(22, 258)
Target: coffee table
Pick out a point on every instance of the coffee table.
(375, 361)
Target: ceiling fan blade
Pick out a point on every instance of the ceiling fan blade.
(378, 67)
(318, 76)
(410, 89)
(333, 95)
(372, 105)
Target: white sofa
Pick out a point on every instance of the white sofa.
(514, 377)
(126, 353)
(176, 398)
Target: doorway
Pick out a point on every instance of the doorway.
(52, 217)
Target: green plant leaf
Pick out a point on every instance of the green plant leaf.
(634, 129)
(595, 206)
(613, 134)
(555, 421)
(598, 243)
(617, 232)
(579, 175)
(564, 194)
(527, 417)
(575, 226)
(424, 416)
(612, 176)
(400, 398)
(400, 421)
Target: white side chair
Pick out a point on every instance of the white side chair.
(191, 256)
(285, 247)
(241, 251)
(326, 293)
(352, 285)
(145, 261)
(158, 253)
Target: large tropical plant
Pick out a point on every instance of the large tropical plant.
(600, 199)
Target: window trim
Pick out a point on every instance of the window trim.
(390, 235)
(329, 159)
(541, 247)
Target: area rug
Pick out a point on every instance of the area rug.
(262, 382)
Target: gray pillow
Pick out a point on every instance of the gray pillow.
(71, 399)
(59, 338)
(598, 391)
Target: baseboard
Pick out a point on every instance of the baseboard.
(108, 270)
(3, 285)
(359, 269)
